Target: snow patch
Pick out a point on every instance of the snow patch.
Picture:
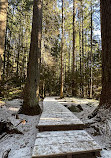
(21, 145)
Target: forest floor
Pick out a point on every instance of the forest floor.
(21, 145)
(100, 130)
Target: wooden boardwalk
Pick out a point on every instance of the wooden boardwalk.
(57, 139)
(56, 117)
(61, 143)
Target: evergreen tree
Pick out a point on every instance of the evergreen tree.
(31, 90)
(62, 54)
(73, 63)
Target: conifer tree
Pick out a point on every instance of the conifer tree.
(73, 64)
(31, 90)
(62, 54)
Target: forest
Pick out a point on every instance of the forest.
(55, 49)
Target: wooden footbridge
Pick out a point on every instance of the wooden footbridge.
(62, 135)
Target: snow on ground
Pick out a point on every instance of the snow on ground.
(100, 130)
(21, 145)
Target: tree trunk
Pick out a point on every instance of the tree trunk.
(73, 64)
(3, 19)
(80, 53)
(82, 48)
(18, 55)
(62, 58)
(91, 55)
(4, 55)
(31, 90)
(43, 89)
(105, 99)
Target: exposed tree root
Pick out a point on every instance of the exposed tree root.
(31, 111)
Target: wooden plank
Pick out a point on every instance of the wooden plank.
(57, 117)
(64, 143)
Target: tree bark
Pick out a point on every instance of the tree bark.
(82, 31)
(62, 58)
(4, 55)
(91, 56)
(3, 19)
(105, 99)
(31, 90)
(73, 64)
(80, 54)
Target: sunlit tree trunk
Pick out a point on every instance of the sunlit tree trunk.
(62, 58)
(43, 89)
(91, 55)
(73, 64)
(80, 53)
(31, 90)
(3, 19)
(18, 55)
(82, 31)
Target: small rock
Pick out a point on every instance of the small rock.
(74, 108)
(105, 148)
(80, 107)
(66, 105)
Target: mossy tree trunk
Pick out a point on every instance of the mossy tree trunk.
(31, 90)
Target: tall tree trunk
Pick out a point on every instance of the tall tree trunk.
(88, 59)
(85, 64)
(62, 50)
(18, 55)
(3, 19)
(69, 61)
(80, 53)
(105, 99)
(73, 64)
(31, 90)
(91, 90)
(4, 55)
(82, 48)
(80, 60)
